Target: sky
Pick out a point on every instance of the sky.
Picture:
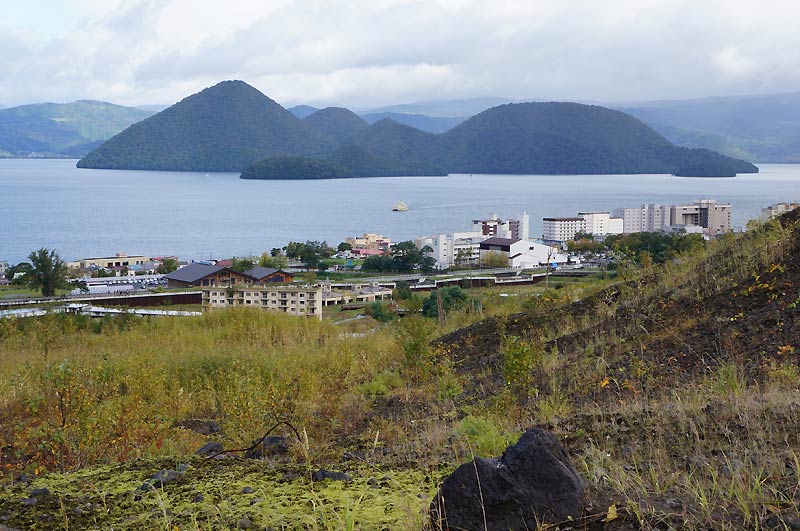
(369, 53)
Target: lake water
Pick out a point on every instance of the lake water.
(83, 213)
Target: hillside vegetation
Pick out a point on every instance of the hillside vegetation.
(673, 387)
(226, 127)
(230, 126)
(62, 129)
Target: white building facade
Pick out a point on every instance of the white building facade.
(523, 254)
(463, 248)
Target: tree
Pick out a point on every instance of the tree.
(344, 246)
(453, 297)
(49, 272)
(402, 291)
(167, 265)
(243, 264)
(275, 261)
(380, 312)
(494, 259)
(24, 270)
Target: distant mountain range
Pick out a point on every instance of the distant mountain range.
(62, 129)
(231, 126)
(760, 128)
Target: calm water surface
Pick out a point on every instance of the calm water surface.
(85, 213)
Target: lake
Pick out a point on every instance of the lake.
(83, 213)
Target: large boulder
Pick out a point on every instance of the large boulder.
(532, 483)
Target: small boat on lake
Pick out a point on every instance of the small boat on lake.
(399, 207)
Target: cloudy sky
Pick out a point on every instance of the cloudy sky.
(367, 53)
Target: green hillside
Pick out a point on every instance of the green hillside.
(563, 138)
(295, 168)
(226, 127)
(62, 129)
(232, 125)
(337, 123)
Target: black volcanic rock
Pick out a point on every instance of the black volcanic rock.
(532, 483)
(223, 128)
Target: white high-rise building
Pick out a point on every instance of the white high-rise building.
(596, 223)
(463, 248)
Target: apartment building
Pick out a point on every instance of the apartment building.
(463, 248)
(370, 243)
(647, 218)
(715, 218)
(778, 209)
(303, 301)
(565, 228)
(494, 227)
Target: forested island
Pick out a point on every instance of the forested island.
(231, 126)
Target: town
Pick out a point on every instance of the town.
(303, 279)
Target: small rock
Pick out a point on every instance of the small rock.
(244, 523)
(782, 522)
(183, 467)
(271, 446)
(256, 501)
(77, 511)
(40, 492)
(4, 528)
(30, 501)
(161, 478)
(198, 498)
(210, 449)
(372, 482)
(248, 490)
(323, 474)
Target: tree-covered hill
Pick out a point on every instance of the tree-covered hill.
(429, 124)
(563, 138)
(62, 129)
(232, 125)
(295, 168)
(226, 127)
(337, 123)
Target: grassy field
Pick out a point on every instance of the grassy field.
(675, 390)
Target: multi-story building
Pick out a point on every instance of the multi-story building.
(502, 228)
(522, 254)
(647, 218)
(562, 229)
(199, 275)
(778, 209)
(714, 217)
(565, 229)
(463, 248)
(370, 243)
(119, 260)
(601, 223)
(295, 300)
(3, 268)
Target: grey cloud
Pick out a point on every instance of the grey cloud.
(383, 52)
